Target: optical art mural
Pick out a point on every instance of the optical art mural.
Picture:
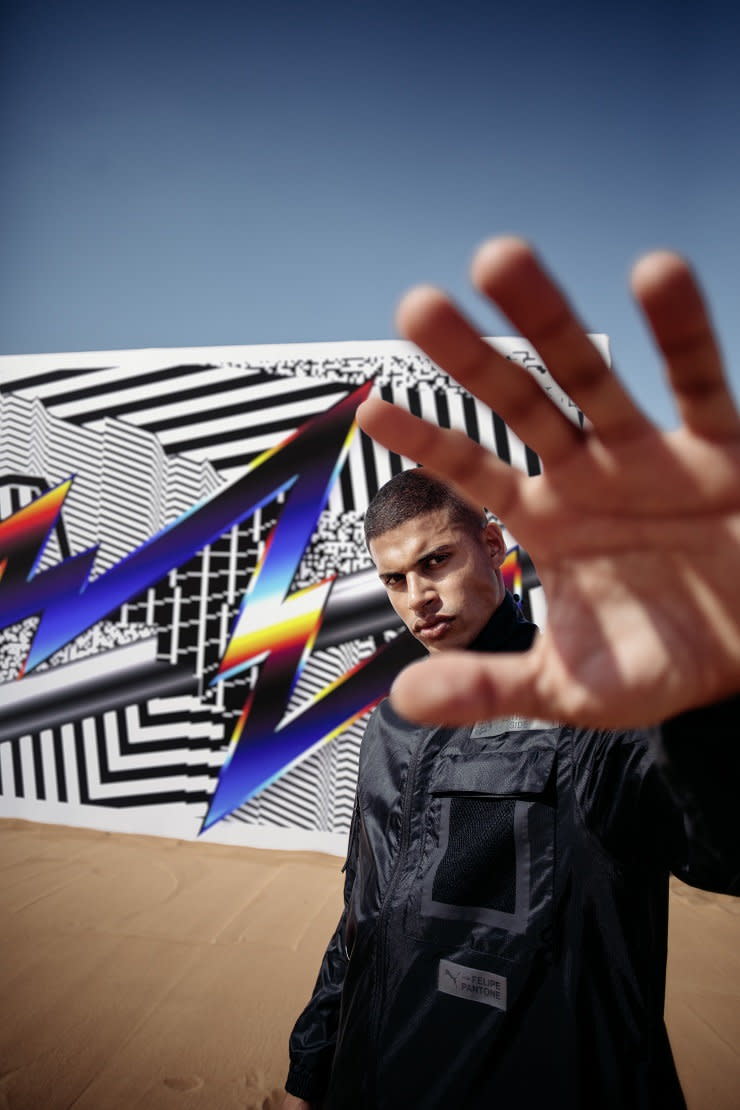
(191, 631)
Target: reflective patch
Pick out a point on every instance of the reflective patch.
(471, 982)
(509, 724)
(511, 919)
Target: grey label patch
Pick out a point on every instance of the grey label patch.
(471, 982)
(508, 724)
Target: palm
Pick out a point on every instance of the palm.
(635, 533)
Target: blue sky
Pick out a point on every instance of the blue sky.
(179, 173)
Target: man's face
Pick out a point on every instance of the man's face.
(443, 582)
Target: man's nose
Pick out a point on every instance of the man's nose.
(420, 592)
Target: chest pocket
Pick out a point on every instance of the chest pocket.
(486, 872)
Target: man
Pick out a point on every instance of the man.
(503, 941)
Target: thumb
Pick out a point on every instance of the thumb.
(461, 688)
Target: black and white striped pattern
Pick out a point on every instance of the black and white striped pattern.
(223, 414)
(125, 487)
(369, 466)
(163, 753)
(228, 410)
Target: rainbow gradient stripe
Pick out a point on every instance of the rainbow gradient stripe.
(511, 569)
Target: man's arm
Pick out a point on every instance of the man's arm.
(635, 533)
(313, 1039)
(698, 757)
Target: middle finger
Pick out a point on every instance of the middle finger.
(510, 274)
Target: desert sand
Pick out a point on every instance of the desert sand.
(145, 972)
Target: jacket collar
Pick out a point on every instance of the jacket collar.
(507, 630)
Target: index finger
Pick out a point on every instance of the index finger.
(479, 474)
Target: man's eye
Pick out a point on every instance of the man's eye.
(392, 579)
(436, 560)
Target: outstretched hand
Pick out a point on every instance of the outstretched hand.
(635, 533)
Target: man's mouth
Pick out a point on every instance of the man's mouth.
(433, 629)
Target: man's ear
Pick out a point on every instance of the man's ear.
(495, 543)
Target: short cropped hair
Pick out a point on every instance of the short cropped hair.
(413, 493)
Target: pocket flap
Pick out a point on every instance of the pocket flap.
(494, 773)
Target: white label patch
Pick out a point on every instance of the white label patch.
(470, 982)
(509, 724)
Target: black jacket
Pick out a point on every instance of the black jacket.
(503, 941)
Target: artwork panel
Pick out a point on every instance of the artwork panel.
(128, 725)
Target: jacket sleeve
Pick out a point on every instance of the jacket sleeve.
(697, 755)
(314, 1035)
(667, 797)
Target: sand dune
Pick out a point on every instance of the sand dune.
(145, 972)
